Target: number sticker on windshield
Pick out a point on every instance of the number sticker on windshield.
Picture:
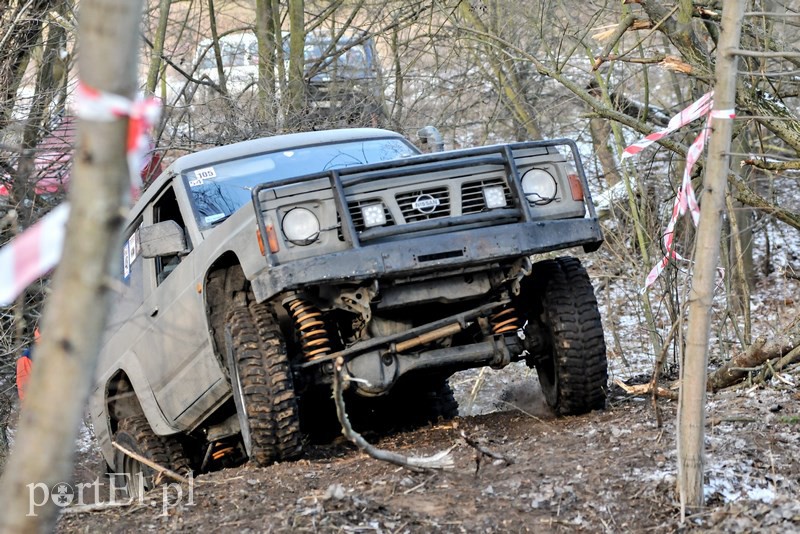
(205, 174)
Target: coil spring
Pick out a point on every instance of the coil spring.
(505, 321)
(308, 321)
(221, 450)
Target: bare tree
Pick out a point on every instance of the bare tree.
(77, 309)
(691, 403)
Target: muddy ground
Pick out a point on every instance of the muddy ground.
(610, 471)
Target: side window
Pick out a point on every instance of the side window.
(166, 209)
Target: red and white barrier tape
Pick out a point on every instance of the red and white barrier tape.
(142, 113)
(38, 249)
(32, 253)
(685, 199)
(693, 112)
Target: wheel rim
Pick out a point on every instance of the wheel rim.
(135, 472)
(548, 379)
(238, 395)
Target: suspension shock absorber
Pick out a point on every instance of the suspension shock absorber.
(311, 330)
(505, 321)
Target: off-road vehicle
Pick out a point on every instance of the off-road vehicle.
(341, 72)
(247, 269)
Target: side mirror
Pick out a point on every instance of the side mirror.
(162, 239)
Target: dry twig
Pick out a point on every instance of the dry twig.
(98, 507)
(646, 389)
(486, 452)
(151, 464)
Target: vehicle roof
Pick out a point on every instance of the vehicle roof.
(261, 146)
(277, 142)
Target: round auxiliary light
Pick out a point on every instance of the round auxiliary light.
(539, 186)
(300, 226)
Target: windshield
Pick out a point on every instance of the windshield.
(221, 189)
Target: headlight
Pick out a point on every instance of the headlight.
(494, 196)
(373, 215)
(300, 226)
(539, 186)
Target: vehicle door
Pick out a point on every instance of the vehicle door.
(180, 355)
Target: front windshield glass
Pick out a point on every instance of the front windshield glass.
(220, 189)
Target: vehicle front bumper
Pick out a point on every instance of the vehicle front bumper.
(418, 255)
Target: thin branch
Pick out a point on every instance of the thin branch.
(772, 166)
(759, 53)
(771, 14)
(151, 464)
(486, 452)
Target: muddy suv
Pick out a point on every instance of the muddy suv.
(248, 269)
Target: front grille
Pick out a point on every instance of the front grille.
(472, 200)
(424, 204)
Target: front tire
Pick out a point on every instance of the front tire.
(262, 383)
(134, 433)
(573, 370)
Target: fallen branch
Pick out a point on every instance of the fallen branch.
(440, 460)
(98, 507)
(646, 389)
(772, 367)
(151, 464)
(735, 370)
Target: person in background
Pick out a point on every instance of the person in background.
(24, 366)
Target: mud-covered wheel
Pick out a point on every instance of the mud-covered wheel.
(573, 372)
(134, 434)
(262, 383)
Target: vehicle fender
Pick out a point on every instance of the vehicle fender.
(144, 394)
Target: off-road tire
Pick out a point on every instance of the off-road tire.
(574, 375)
(221, 285)
(263, 380)
(134, 433)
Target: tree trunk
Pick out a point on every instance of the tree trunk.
(158, 47)
(212, 21)
(76, 311)
(21, 29)
(601, 135)
(691, 404)
(266, 37)
(297, 41)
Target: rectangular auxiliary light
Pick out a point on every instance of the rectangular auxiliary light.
(494, 196)
(374, 215)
